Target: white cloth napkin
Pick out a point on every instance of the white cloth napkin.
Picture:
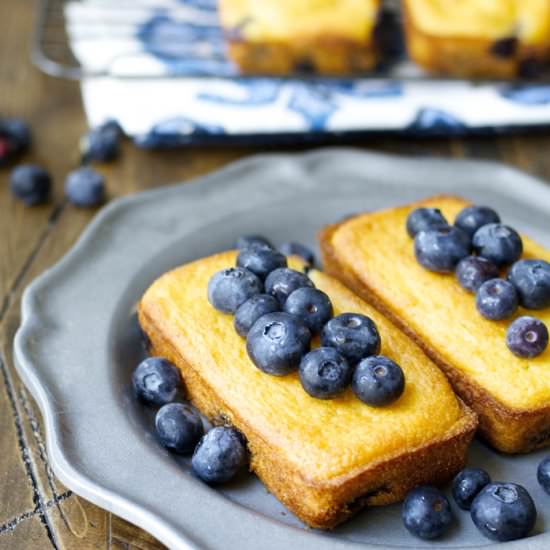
(156, 59)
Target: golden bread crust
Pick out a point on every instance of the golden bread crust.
(471, 56)
(320, 502)
(508, 429)
(284, 36)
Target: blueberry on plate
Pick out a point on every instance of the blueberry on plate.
(261, 261)
(543, 474)
(472, 271)
(298, 249)
(100, 144)
(378, 381)
(499, 243)
(467, 484)
(251, 310)
(30, 183)
(252, 241)
(497, 299)
(441, 249)
(85, 187)
(232, 287)
(532, 281)
(156, 381)
(219, 455)
(422, 219)
(471, 218)
(179, 427)
(311, 305)
(504, 511)
(426, 513)
(353, 335)
(527, 337)
(324, 373)
(277, 342)
(282, 282)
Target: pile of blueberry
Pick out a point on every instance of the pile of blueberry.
(478, 248)
(218, 455)
(31, 183)
(278, 310)
(501, 511)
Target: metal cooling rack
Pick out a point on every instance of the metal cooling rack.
(52, 52)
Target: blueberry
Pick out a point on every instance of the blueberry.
(276, 343)
(426, 513)
(441, 249)
(467, 484)
(85, 187)
(179, 427)
(497, 299)
(251, 310)
(504, 511)
(324, 373)
(527, 337)
(472, 271)
(31, 184)
(156, 381)
(311, 305)
(15, 138)
(261, 261)
(298, 249)
(232, 287)
(219, 456)
(100, 144)
(282, 282)
(378, 381)
(252, 241)
(498, 243)
(423, 219)
(543, 474)
(532, 281)
(353, 335)
(473, 217)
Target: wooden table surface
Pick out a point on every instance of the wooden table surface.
(36, 510)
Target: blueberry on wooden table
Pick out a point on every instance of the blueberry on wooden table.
(15, 139)
(101, 143)
(85, 187)
(30, 183)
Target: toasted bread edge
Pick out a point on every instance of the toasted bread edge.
(507, 429)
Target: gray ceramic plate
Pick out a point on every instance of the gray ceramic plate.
(77, 345)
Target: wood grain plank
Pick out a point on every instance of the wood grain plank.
(28, 534)
(126, 536)
(16, 489)
(53, 108)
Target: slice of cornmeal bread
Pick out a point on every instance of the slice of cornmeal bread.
(323, 459)
(285, 36)
(373, 255)
(479, 38)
